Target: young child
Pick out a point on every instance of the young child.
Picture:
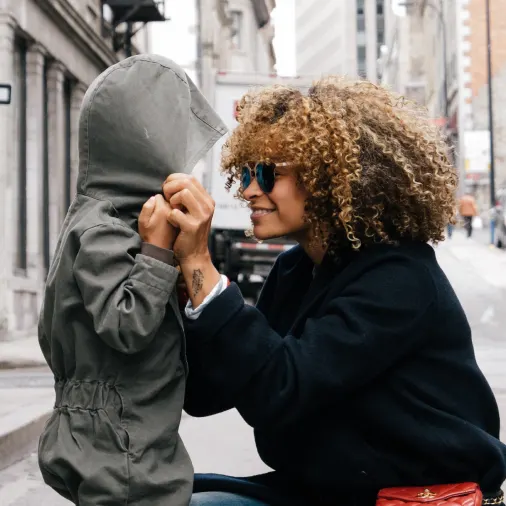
(110, 326)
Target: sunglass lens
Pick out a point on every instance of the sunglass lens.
(265, 173)
(245, 177)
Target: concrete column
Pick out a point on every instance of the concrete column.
(349, 9)
(78, 91)
(34, 161)
(56, 124)
(371, 40)
(7, 172)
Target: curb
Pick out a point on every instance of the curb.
(20, 442)
(21, 364)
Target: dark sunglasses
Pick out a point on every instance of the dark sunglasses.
(263, 172)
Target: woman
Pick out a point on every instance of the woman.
(356, 369)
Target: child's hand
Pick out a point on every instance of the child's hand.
(153, 225)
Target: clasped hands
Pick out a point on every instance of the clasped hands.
(182, 221)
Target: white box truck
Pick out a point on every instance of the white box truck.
(244, 260)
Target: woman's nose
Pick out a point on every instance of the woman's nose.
(253, 190)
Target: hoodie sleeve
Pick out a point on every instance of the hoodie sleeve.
(125, 291)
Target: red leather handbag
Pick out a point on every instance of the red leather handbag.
(459, 494)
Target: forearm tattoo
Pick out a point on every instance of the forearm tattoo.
(197, 282)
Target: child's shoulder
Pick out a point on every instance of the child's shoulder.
(90, 213)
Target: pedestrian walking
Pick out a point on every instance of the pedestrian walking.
(356, 369)
(110, 326)
(468, 210)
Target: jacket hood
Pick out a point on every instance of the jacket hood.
(140, 121)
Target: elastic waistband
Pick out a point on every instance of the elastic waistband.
(90, 395)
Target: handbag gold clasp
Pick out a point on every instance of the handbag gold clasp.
(426, 494)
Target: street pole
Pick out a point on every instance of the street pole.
(445, 61)
(490, 122)
(128, 40)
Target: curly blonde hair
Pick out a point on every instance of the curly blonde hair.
(374, 167)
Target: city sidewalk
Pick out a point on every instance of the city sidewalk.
(23, 411)
(23, 414)
(487, 261)
(21, 353)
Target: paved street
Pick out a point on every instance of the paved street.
(38, 377)
(224, 444)
(482, 235)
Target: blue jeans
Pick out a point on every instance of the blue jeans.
(262, 490)
(223, 499)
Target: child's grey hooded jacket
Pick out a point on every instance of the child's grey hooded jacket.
(110, 327)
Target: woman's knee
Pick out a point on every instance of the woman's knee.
(223, 499)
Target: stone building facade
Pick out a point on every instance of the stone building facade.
(233, 35)
(402, 60)
(340, 37)
(475, 115)
(50, 51)
(414, 57)
(467, 80)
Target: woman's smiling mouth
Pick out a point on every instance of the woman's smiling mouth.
(260, 212)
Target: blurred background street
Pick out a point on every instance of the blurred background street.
(447, 55)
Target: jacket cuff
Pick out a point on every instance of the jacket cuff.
(163, 255)
(215, 315)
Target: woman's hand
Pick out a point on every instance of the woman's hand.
(192, 213)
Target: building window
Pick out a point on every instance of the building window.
(45, 169)
(380, 32)
(237, 34)
(67, 97)
(361, 23)
(361, 39)
(21, 253)
(360, 16)
(361, 61)
(380, 27)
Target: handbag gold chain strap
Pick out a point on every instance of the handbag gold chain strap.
(494, 500)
